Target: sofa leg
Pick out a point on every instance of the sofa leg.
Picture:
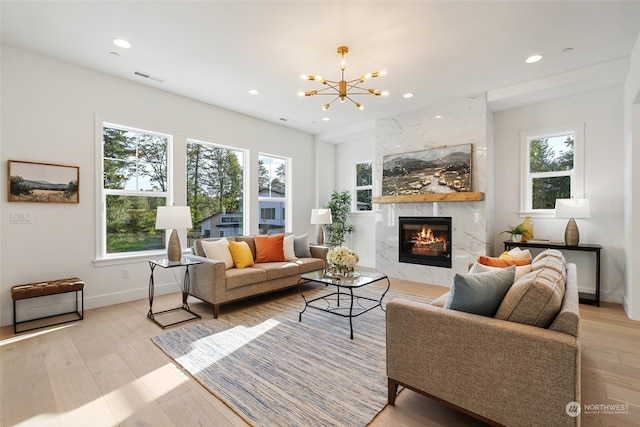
(393, 391)
(216, 310)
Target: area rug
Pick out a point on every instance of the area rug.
(273, 370)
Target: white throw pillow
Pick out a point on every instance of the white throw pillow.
(218, 249)
(520, 254)
(288, 249)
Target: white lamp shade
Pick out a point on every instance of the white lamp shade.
(320, 216)
(173, 217)
(572, 208)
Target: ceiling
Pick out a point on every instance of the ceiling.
(216, 51)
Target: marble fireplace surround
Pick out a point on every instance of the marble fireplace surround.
(468, 122)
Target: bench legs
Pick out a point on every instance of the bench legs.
(78, 311)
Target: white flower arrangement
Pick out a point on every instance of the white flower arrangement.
(343, 258)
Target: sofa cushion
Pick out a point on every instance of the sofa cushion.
(521, 270)
(241, 253)
(287, 247)
(269, 248)
(301, 246)
(550, 258)
(276, 270)
(239, 277)
(480, 293)
(500, 262)
(534, 299)
(218, 249)
(306, 265)
(250, 241)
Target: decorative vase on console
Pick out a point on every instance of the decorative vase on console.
(527, 225)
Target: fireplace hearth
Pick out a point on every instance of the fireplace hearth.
(425, 240)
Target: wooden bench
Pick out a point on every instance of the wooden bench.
(40, 289)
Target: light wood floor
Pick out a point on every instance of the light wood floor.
(105, 370)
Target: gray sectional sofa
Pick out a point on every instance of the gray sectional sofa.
(214, 282)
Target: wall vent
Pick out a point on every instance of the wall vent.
(149, 76)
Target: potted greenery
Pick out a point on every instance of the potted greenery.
(340, 205)
(516, 232)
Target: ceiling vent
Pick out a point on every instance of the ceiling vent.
(149, 76)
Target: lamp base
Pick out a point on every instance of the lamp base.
(571, 233)
(174, 249)
(320, 235)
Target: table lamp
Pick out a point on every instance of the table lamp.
(572, 208)
(172, 218)
(320, 217)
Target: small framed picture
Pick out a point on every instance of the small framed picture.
(43, 182)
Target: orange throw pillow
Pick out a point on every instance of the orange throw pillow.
(500, 262)
(270, 248)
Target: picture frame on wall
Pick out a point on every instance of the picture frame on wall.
(34, 182)
(437, 170)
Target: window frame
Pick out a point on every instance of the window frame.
(286, 200)
(576, 175)
(101, 208)
(356, 187)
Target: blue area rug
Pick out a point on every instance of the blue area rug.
(273, 370)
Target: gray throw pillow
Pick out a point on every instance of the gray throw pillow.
(301, 246)
(480, 293)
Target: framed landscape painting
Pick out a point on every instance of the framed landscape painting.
(438, 170)
(43, 182)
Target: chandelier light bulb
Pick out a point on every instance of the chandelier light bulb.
(360, 106)
(325, 107)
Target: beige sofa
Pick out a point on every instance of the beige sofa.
(504, 372)
(216, 284)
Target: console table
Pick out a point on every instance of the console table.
(585, 297)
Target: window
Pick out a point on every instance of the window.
(272, 193)
(215, 188)
(363, 187)
(135, 183)
(552, 163)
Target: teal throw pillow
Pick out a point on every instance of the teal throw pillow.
(480, 293)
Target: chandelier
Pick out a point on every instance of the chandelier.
(343, 89)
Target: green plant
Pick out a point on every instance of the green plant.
(340, 205)
(515, 229)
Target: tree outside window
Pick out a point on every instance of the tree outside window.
(215, 182)
(272, 193)
(134, 185)
(363, 187)
(553, 168)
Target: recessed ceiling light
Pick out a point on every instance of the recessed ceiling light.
(325, 119)
(122, 43)
(407, 95)
(534, 58)
(439, 116)
(254, 92)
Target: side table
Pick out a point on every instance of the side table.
(165, 263)
(588, 298)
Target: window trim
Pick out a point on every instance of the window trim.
(576, 176)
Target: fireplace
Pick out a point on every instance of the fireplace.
(425, 240)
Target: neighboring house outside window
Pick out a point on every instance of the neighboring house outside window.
(272, 193)
(134, 183)
(215, 189)
(363, 187)
(553, 168)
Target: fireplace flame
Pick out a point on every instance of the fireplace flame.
(426, 238)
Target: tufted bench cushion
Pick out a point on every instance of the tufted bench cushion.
(40, 289)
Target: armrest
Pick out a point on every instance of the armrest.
(207, 279)
(319, 252)
(494, 368)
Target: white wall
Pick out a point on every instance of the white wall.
(601, 112)
(363, 239)
(48, 115)
(631, 301)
